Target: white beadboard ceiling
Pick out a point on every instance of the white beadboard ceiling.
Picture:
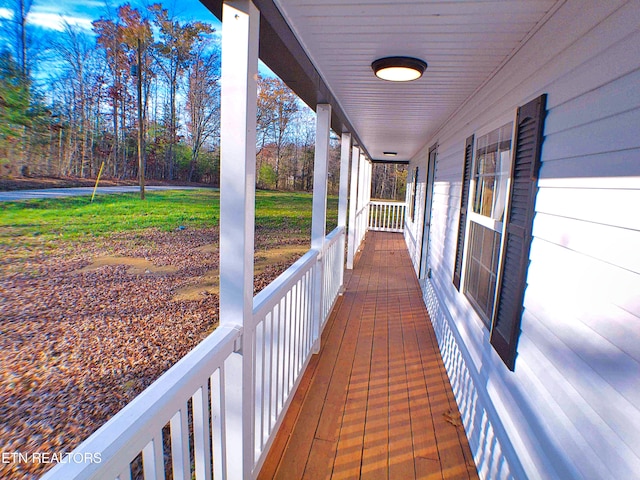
(463, 42)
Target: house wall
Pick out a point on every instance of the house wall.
(571, 407)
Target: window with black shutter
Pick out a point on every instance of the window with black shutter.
(499, 226)
(464, 200)
(518, 226)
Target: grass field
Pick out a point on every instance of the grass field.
(76, 218)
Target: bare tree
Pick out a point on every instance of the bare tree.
(277, 105)
(174, 52)
(203, 100)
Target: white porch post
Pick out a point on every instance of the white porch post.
(353, 205)
(240, 20)
(367, 185)
(345, 148)
(366, 195)
(319, 218)
(361, 183)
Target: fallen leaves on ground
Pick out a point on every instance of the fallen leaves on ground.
(77, 345)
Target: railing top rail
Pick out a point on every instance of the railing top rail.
(386, 202)
(131, 429)
(334, 235)
(270, 295)
(265, 300)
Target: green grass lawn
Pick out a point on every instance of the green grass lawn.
(55, 221)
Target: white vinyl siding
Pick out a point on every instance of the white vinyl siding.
(571, 408)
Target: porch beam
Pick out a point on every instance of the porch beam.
(319, 215)
(353, 205)
(239, 68)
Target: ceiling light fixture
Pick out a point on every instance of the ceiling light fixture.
(390, 154)
(399, 69)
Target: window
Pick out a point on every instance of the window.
(413, 189)
(489, 184)
(499, 226)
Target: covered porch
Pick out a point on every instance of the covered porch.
(253, 399)
(376, 402)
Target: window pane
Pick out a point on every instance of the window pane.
(493, 160)
(482, 269)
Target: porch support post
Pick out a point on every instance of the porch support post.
(319, 215)
(345, 148)
(240, 20)
(362, 227)
(353, 205)
(367, 185)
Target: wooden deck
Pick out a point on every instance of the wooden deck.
(376, 402)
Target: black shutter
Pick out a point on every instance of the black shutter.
(517, 229)
(464, 201)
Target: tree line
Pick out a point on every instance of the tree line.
(142, 89)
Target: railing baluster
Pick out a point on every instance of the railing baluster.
(258, 407)
(303, 317)
(274, 365)
(180, 445)
(153, 459)
(281, 362)
(218, 424)
(201, 445)
(289, 332)
(268, 388)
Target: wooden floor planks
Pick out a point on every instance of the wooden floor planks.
(376, 402)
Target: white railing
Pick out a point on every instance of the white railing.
(183, 422)
(361, 224)
(138, 428)
(284, 337)
(386, 216)
(333, 270)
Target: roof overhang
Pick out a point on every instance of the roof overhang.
(324, 52)
(281, 51)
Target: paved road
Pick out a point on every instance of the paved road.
(14, 195)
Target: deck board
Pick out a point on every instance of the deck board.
(376, 402)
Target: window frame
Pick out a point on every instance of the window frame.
(490, 223)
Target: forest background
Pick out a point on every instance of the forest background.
(140, 86)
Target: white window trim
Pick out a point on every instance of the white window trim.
(486, 221)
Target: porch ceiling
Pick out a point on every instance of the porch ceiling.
(323, 50)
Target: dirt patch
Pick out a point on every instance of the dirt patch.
(137, 266)
(209, 283)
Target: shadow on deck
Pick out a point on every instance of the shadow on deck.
(376, 402)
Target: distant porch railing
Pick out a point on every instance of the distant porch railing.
(385, 216)
(186, 421)
(378, 215)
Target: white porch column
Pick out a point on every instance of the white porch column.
(319, 215)
(345, 148)
(353, 205)
(240, 20)
(367, 185)
(362, 179)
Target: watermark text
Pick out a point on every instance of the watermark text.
(50, 457)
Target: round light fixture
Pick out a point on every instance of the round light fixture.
(399, 69)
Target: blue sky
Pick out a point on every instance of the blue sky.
(51, 14)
